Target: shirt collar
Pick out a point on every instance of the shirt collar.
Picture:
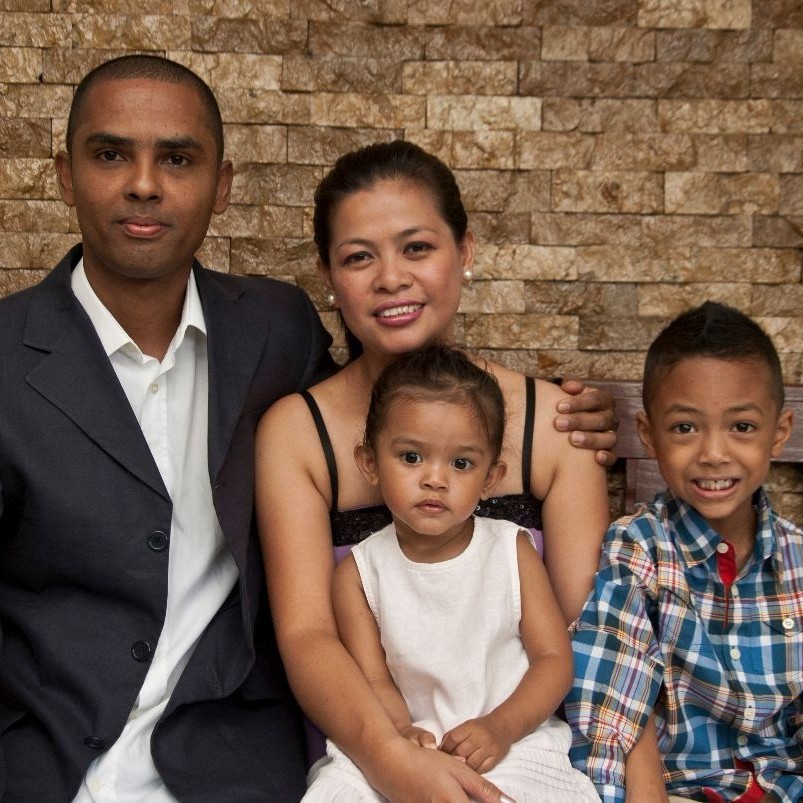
(697, 541)
(112, 336)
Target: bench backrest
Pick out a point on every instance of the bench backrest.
(642, 478)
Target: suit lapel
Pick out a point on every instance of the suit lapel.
(75, 375)
(236, 335)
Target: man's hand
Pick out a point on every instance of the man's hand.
(479, 741)
(590, 416)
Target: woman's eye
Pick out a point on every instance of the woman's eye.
(411, 457)
(462, 463)
(417, 248)
(356, 258)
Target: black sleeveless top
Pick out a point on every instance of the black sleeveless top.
(352, 526)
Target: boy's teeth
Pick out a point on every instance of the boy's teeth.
(715, 485)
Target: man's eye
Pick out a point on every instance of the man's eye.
(109, 156)
(177, 160)
(411, 457)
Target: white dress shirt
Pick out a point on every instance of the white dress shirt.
(170, 401)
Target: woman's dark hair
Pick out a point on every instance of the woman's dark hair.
(443, 374)
(710, 330)
(384, 161)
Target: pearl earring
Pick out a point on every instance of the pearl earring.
(468, 276)
(331, 298)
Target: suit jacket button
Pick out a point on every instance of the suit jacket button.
(158, 540)
(141, 651)
(95, 743)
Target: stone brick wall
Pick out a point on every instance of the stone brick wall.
(621, 159)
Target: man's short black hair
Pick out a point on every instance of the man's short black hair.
(150, 67)
(710, 330)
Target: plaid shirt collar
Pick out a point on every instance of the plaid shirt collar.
(697, 540)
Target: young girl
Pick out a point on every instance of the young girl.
(450, 616)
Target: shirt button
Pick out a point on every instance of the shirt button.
(788, 623)
(154, 387)
(95, 743)
(741, 740)
(734, 592)
(157, 540)
(141, 651)
(722, 547)
(736, 653)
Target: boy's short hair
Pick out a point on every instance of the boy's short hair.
(710, 330)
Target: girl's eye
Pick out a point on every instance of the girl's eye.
(744, 427)
(683, 428)
(411, 457)
(462, 463)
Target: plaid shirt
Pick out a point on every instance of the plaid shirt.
(721, 665)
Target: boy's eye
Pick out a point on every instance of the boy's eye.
(411, 457)
(744, 427)
(683, 428)
(462, 463)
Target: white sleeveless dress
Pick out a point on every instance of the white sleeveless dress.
(450, 632)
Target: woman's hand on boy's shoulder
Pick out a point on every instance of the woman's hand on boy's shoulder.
(589, 413)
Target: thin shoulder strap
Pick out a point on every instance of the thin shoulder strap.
(326, 443)
(529, 425)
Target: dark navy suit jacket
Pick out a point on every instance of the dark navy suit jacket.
(83, 552)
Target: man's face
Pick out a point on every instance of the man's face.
(144, 178)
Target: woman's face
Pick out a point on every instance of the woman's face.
(395, 267)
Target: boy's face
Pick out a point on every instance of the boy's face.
(714, 426)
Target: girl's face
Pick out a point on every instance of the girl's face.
(432, 462)
(395, 267)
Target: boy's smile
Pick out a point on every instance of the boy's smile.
(714, 426)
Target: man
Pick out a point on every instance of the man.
(132, 382)
(137, 661)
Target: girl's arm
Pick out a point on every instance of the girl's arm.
(292, 512)
(575, 511)
(360, 634)
(483, 742)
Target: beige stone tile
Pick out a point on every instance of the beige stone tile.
(148, 32)
(615, 13)
(547, 150)
(248, 35)
(390, 12)
(619, 151)
(726, 153)
(504, 191)
(721, 194)
(35, 30)
(227, 71)
(37, 251)
(788, 46)
(322, 145)
(276, 184)
(20, 65)
(502, 229)
(34, 101)
(787, 116)
(214, 253)
(580, 298)
(776, 80)
(493, 150)
(256, 143)
(791, 200)
(492, 297)
(669, 300)
(715, 116)
(355, 110)
(30, 179)
(638, 192)
(24, 137)
(149, 7)
(34, 216)
(521, 331)
(598, 43)
(12, 281)
(775, 152)
(772, 231)
(381, 42)
(278, 256)
(694, 13)
(778, 14)
(526, 262)
(480, 42)
(705, 46)
(608, 333)
(341, 74)
(786, 333)
(596, 115)
(478, 112)
(465, 12)
(785, 300)
(257, 221)
(255, 106)
(460, 77)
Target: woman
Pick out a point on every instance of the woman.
(394, 250)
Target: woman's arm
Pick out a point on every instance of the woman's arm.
(292, 512)
(575, 513)
(483, 742)
(360, 634)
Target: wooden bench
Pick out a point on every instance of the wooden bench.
(642, 478)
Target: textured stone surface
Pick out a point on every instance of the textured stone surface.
(695, 13)
(607, 191)
(721, 194)
(620, 160)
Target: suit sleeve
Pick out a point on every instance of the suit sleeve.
(320, 364)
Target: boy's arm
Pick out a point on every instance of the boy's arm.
(359, 633)
(484, 741)
(644, 772)
(618, 662)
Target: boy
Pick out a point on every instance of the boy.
(688, 653)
